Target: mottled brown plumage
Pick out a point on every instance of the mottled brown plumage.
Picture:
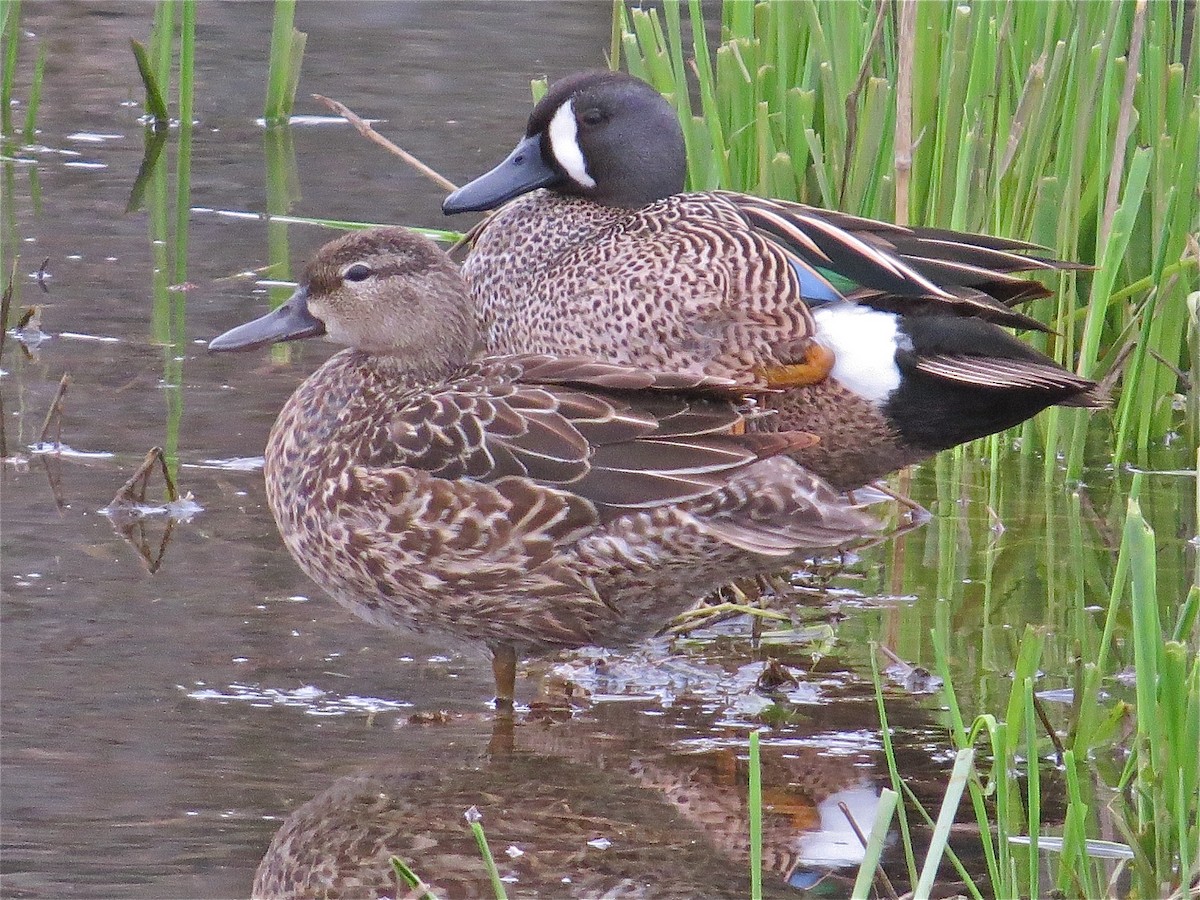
(526, 501)
(600, 254)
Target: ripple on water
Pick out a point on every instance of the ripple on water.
(311, 699)
(51, 448)
(232, 464)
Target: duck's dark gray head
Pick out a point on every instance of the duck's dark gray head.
(386, 291)
(606, 136)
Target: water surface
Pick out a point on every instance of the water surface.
(159, 729)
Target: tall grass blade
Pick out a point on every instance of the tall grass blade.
(35, 95)
(417, 888)
(889, 755)
(963, 762)
(474, 819)
(10, 30)
(875, 844)
(755, 804)
(283, 71)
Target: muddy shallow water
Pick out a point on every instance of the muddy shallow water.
(160, 729)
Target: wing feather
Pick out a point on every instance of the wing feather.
(618, 437)
(896, 266)
(1010, 374)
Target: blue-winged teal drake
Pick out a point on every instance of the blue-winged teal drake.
(528, 502)
(884, 338)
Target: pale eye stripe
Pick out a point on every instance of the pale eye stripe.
(564, 144)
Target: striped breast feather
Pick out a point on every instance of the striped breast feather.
(696, 254)
(617, 448)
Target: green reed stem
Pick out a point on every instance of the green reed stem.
(283, 71)
(959, 777)
(35, 95)
(417, 889)
(889, 754)
(10, 30)
(755, 804)
(876, 840)
(485, 851)
(156, 107)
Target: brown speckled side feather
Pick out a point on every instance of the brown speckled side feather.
(557, 513)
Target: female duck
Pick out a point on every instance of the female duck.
(884, 337)
(528, 502)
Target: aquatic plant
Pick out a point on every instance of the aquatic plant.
(283, 72)
(10, 31)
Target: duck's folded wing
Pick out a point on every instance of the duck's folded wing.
(1007, 374)
(618, 438)
(891, 265)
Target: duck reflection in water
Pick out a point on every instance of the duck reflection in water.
(528, 502)
(664, 796)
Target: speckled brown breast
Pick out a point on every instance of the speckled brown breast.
(683, 284)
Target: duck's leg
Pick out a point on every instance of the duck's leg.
(504, 671)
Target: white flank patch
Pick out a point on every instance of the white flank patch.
(564, 144)
(864, 342)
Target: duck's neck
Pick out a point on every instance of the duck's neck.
(409, 371)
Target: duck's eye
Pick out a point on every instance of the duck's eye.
(591, 116)
(357, 272)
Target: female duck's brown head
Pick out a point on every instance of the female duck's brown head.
(384, 291)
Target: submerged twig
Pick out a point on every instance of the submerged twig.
(364, 128)
(134, 533)
(6, 303)
(1059, 750)
(54, 479)
(129, 520)
(54, 414)
(42, 274)
(134, 490)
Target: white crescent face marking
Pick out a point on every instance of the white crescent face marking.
(864, 342)
(564, 144)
